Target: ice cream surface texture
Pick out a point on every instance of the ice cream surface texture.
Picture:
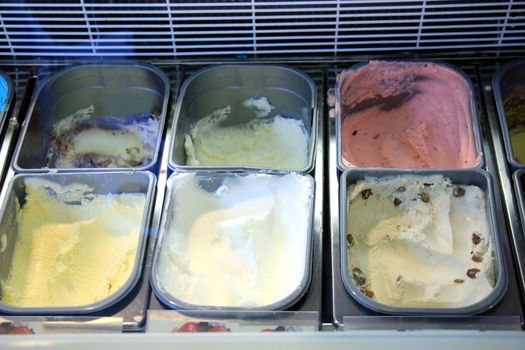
(419, 241)
(514, 105)
(236, 241)
(74, 247)
(275, 142)
(406, 115)
(81, 141)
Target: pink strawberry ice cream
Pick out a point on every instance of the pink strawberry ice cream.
(406, 115)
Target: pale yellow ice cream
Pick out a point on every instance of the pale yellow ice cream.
(74, 247)
(419, 241)
(277, 142)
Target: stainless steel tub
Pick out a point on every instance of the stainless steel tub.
(115, 90)
(102, 183)
(292, 93)
(475, 177)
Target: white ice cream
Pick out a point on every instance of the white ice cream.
(241, 244)
(419, 241)
(260, 106)
(275, 142)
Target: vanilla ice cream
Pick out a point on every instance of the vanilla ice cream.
(419, 241)
(235, 240)
(81, 141)
(74, 247)
(275, 142)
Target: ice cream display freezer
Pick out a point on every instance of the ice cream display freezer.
(159, 178)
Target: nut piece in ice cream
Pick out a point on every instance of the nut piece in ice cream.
(472, 272)
(414, 254)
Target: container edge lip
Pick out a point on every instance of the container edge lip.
(49, 80)
(476, 120)
(500, 110)
(518, 193)
(313, 132)
(130, 283)
(171, 302)
(494, 220)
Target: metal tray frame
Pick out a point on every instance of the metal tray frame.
(323, 287)
(31, 122)
(344, 305)
(476, 177)
(313, 298)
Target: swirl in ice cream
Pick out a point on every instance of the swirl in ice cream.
(406, 115)
(81, 141)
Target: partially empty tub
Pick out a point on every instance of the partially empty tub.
(95, 117)
(245, 117)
